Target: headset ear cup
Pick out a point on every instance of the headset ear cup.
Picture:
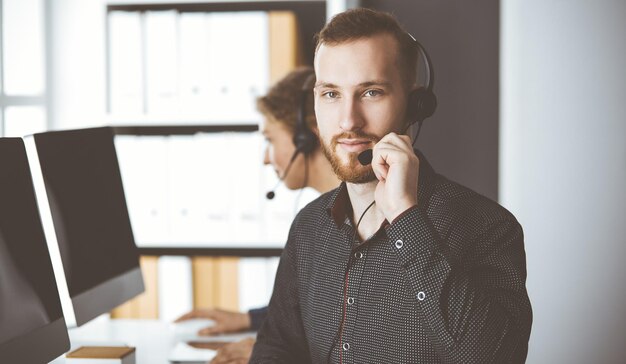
(422, 104)
(304, 139)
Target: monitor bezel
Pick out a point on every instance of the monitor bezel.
(107, 295)
(41, 345)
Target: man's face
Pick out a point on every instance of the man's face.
(360, 97)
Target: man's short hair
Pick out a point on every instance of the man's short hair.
(284, 99)
(358, 23)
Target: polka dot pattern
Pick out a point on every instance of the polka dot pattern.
(443, 283)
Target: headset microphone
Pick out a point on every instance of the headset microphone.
(365, 157)
(270, 194)
(421, 102)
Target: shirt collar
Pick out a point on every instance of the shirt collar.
(339, 207)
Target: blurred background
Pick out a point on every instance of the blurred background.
(531, 114)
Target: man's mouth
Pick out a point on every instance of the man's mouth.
(354, 145)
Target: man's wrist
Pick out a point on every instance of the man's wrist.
(400, 209)
(399, 215)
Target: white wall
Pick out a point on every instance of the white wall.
(563, 170)
(77, 63)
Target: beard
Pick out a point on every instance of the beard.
(351, 171)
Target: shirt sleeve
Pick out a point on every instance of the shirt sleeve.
(281, 338)
(474, 298)
(257, 316)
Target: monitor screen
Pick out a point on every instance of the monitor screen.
(84, 191)
(32, 327)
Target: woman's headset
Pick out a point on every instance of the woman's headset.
(304, 139)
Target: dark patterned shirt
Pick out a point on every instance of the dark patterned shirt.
(257, 316)
(443, 283)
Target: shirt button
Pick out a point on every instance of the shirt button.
(421, 295)
(346, 346)
(350, 300)
(399, 243)
(358, 255)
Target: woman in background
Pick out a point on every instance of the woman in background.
(290, 129)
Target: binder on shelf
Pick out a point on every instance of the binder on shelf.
(125, 63)
(195, 57)
(184, 165)
(162, 62)
(143, 166)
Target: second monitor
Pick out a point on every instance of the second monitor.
(84, 192)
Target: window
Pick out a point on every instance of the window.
(22, 68)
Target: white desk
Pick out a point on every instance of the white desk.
(152, 339)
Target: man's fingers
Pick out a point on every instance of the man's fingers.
(386, 154)
(379, 167)
(391, 148)
(402, 142)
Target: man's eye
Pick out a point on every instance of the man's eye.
(330, 94)
(372, 93)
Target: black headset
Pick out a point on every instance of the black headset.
(421, 102)
(304, 139)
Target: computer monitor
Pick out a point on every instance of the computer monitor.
(32, 327)
(84, 192)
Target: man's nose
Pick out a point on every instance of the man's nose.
(351, 117)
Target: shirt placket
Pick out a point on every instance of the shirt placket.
(352, 300)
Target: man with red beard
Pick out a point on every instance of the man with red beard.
(398, 264)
